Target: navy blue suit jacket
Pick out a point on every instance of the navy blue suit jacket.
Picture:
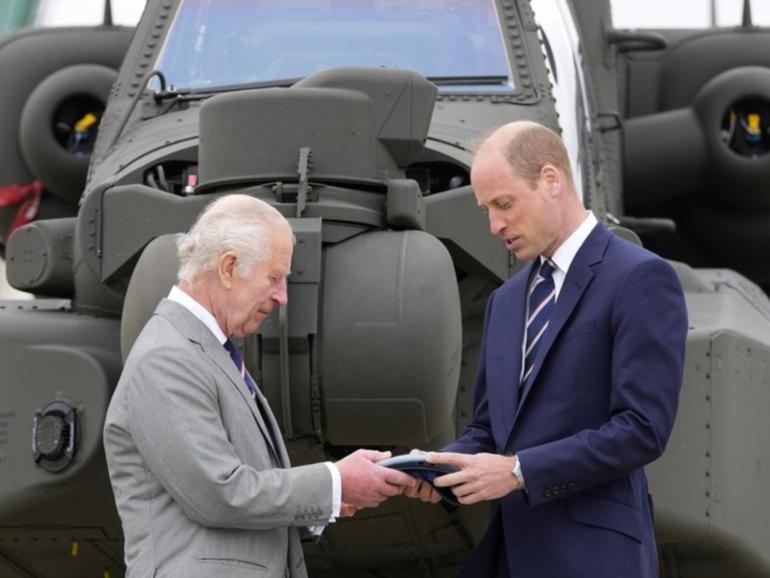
(599, 406)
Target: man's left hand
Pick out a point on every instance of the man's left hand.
(481, 476)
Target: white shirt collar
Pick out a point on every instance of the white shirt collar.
(565, 254)
(179, 296)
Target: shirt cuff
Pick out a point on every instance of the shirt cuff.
(336, 500)
(316, 531)
(519, 474)
(336, 491)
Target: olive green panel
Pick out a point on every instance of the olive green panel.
(48, 355)
(391, 337)
(345, 118)
(687, 155)
(454, 217)
(740, 449)
(113, 227)
(708, 486)
(281, 353)
(52, 355)
(39, 257)
(152, 279)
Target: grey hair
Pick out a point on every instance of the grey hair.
(237, 223)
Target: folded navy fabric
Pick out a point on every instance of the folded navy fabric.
(418, 467)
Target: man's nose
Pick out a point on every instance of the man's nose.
(496, 224)
(281, 295)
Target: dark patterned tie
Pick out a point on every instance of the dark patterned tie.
(542, 297)
(235, 355)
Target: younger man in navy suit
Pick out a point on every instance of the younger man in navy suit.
(578, 378)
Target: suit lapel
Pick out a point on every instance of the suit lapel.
(575, 283)
(192, 328)
(509, 346)
(219, 356)
(273, 426)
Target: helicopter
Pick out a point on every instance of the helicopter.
(358, 121)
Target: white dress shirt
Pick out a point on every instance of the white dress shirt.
(565, 254)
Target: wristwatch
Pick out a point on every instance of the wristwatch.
(516, 471)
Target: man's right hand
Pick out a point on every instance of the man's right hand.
(423, 490)
(367, 485)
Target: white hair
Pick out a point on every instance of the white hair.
(237, 223)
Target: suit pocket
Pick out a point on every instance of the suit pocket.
(216, 566)
(609, 514)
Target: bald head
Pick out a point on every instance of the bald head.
(528, 146)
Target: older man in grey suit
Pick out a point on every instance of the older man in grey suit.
(200, 473)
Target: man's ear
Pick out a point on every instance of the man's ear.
(552, 179)
(226, 265)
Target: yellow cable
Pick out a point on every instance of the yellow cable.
(85, 123)
(754, 123)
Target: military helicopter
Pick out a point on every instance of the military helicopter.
(358, 122)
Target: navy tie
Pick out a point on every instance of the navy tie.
(235, 355)
(542, 297)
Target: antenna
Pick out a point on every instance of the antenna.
(107, 13)
(747, 14)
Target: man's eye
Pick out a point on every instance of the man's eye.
(503, 204)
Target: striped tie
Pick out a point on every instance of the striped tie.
(542, 296)
(235, 355)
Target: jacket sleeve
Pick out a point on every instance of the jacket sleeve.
(477, 435)
(648, 329)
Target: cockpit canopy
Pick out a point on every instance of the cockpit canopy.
(214, 43)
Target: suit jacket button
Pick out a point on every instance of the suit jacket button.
(564, 488)
(547, 493)
(572, 485)
(555, 490)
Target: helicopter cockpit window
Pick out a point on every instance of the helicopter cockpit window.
(229, 42)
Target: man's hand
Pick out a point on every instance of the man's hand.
(367, 485)
(423, 490)
(481, 476)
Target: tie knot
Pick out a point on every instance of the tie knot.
(233, 351)
(546, 269)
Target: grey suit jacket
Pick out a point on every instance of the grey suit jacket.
(200, 488)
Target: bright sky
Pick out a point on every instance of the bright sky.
(88, 12)
(685, 13)
(626, 13)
